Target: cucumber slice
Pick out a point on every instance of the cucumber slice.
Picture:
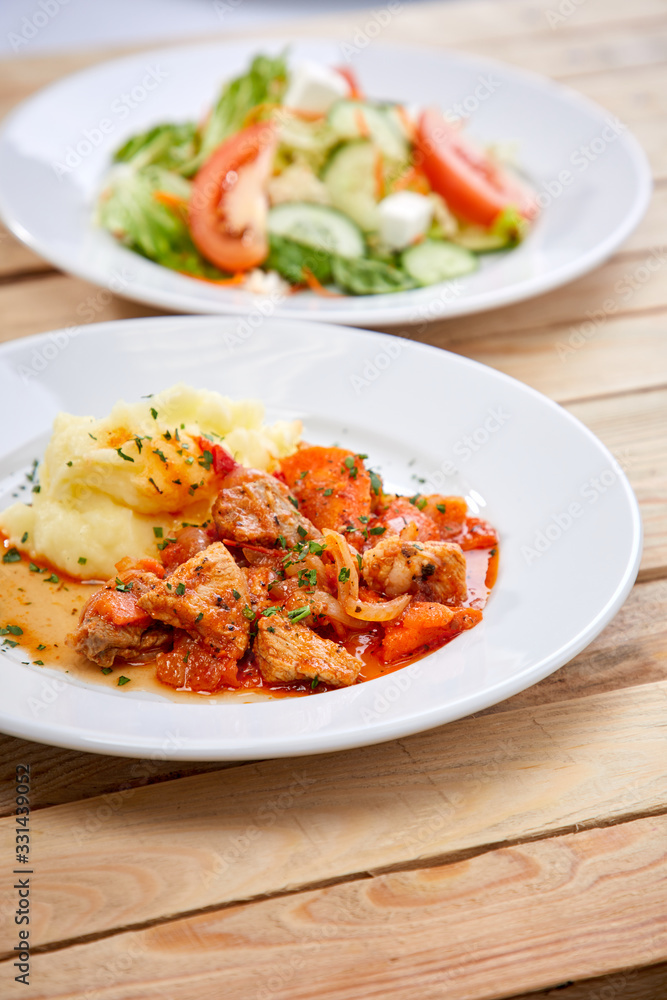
(378, 122)
(437, 260)
(317, 226)
(350, 179)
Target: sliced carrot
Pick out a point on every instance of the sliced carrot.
(424, 626)
(332, 487)
(172, 201)
(362, 124)
(317, 287)
(379, 177)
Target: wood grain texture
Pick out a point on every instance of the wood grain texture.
(135, 856)
(479, 929)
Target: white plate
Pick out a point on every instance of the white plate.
(564, 571)
(591, 174)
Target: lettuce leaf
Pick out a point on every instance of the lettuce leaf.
(129, 209)
(169, 146)
(363, 276)
(289, 258)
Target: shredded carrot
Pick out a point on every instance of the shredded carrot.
(406, 121)
(317, 287)
(169, 200)
(362, 124)
(379, 177)
(352, 82)
(236, 279)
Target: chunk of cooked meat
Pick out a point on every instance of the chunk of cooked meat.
(333, 489)
(206, 596)
(193, 666)
(436, 571)
(289, 651)
(112, 624)
(255, 507)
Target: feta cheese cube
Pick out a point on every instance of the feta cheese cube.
(314, 88)
(403, 217)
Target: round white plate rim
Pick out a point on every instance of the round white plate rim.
(86, 739)
(382, 315)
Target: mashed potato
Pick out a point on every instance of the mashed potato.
(105, 485)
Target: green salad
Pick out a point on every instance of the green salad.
(296, 177)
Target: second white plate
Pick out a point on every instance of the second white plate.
(591, 176)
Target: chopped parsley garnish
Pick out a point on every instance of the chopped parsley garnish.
(10, 642)
(376, 482)
(123, 680)
(364, 518)
(11, 630)
(82, 560)
(248, 613)
(358, 557)
(167, 436)
(41, 646)
(38, 663)
(281, 541)
(441, 507)
(327, 493)
(294, 502)
(301, 531)
(236, 595)
(316, 548)
(122, 587)
(12, 555)
(270, 629)
(199, 616)
(52, 579)
(153, 413)
(35, 569)
(348, 462)
(138, 443)
(299, 613)
(160, 455)
(24, 538)
(187, 656)
(315, 681)
(307, 578)
(30, 476)
(106, 670)
(493, 552)
(303, 474)
(158, 532)
(177, 481)
(344, 575)
(180, 589)
(36, 489)
(378, 530)
(206, 460)
(121, 453)
(69, 464)
(167, 541)
(267, 612)
(92, 436)
(418, 501)
(153, 483)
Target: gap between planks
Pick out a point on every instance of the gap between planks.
(518, 918)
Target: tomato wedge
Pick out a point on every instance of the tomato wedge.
(228, 203)
(474, 187)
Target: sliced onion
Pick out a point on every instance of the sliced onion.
(348, 590)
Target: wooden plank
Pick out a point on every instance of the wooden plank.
(518, 918)
(59, 776)
(633, 428)
(55, 300)
(630, 651)
(263, 828)
(635, 984)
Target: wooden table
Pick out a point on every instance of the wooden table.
(521, 852)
